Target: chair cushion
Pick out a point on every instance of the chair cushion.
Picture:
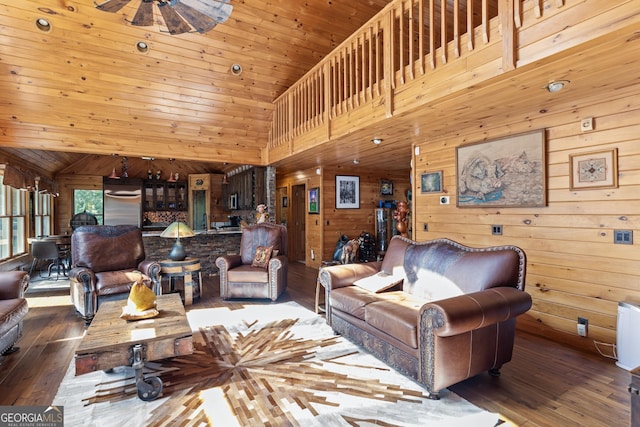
(248, 274)
(262, 256)
(117, 282)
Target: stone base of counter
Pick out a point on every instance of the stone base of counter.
(206, 246)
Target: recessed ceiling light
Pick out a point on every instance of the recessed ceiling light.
(142, 47)
(236, 69)
(377, 141)
(43, 24)
(356, 161)
(556, 86)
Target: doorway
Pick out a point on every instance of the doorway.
(297, 225)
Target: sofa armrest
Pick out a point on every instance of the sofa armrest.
(13, 284)
(339, 276)
(463, 313)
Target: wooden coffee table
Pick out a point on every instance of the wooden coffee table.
(111, 341)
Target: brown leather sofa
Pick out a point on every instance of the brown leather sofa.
(106, 261)
(449, 314)
(13, 308)
(240, 279)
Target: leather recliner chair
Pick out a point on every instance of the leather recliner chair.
(107, 260)
(239, 279)
(13, 308)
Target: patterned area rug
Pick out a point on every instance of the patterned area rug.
(264, 365)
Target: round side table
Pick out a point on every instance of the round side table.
(186, 270)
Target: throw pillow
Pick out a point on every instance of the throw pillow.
(262, 256)
(379, 282)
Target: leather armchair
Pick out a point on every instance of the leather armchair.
(239, 279)
(107, 260)
(13, 308)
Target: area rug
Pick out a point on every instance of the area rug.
(264, 365)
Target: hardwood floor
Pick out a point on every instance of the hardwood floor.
(546, 383)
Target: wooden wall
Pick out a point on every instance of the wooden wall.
(323, 230)
(573, 267)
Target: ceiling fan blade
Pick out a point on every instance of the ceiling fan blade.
(201, 22)
(172, 19)
(218, 10)
(112, 5)
(144, 15)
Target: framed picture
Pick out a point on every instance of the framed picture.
(505, 172)
(285, 201)
(347, 192)
(386, 187)
(598, 169)
(314, 200)
(431, 182)
(233, 201)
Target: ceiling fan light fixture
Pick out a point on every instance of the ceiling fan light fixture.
(178, 16)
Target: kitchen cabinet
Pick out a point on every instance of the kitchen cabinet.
(161, 195)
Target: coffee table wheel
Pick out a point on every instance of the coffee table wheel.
(149, 388)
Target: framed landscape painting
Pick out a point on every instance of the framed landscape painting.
(505, 172)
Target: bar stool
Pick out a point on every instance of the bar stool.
(42, 250)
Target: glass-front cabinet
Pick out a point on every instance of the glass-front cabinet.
(160, 195)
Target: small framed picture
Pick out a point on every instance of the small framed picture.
(314, 200)
(431, 182)
(285, 201)
(597, 169)
(347, 192)
(233, 201)
(386, 188)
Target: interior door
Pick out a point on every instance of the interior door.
(297, 228)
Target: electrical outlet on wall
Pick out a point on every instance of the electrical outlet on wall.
(313, 255)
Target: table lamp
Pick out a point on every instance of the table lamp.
(177, 229)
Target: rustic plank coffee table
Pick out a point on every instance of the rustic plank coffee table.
(111, 341)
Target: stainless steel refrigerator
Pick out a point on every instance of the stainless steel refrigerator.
(122, 204)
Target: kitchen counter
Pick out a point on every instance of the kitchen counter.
(205, 245)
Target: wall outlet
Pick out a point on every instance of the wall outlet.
(586, 124)
(583, 326)
(444, 200)
(313, 255)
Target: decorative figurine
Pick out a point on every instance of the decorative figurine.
(400, 215)
(262, 215)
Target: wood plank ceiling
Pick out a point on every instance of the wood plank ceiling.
(82, 91)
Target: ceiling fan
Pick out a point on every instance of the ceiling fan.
(180, 16)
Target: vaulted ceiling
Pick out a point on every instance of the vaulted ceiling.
(83, 89)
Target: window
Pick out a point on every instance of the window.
(12, 221)
(89, 201)
(42, 214)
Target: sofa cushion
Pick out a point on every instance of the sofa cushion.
(396, 316)
(12, 311)
(262, 256)
(352, 300)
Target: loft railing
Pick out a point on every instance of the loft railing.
(406, 40)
